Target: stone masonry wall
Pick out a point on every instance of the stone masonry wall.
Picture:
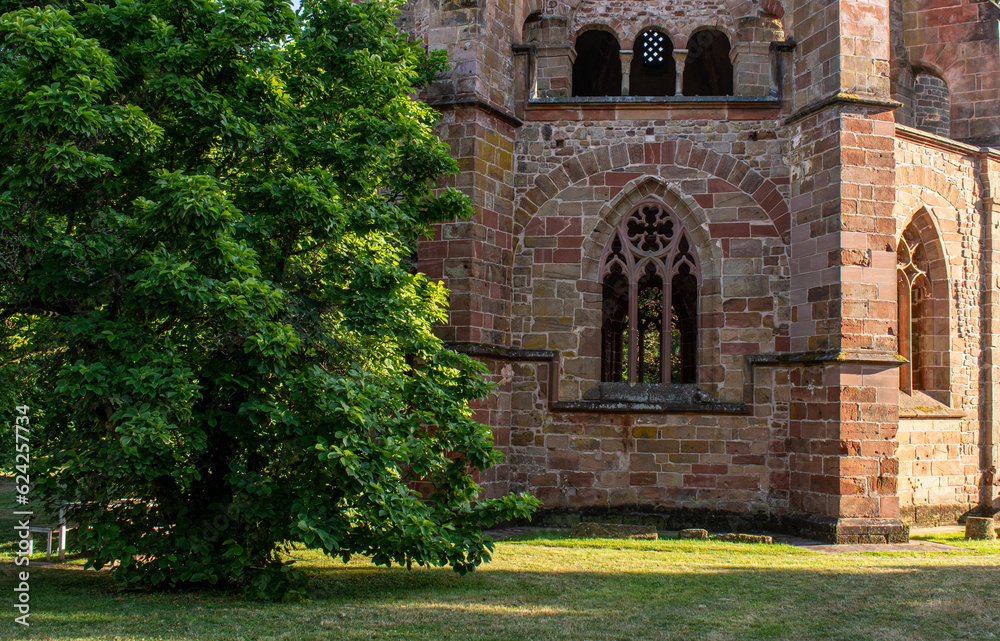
(940, 459)
(794, 212)
(932, 105)
(937, 470)
(958, 42)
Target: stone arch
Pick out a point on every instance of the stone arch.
(632, 31)
(931, 340)
(946, 62)
(927, 222)
(708, 251)
(691, 214)
(682, 153)
(522, 10)
(595, 26)
(753, 9)
(689, 30)
(928, 199)
(597, 69)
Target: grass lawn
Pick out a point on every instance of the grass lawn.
(550, 588)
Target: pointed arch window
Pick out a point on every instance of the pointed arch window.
(650, 277)
(913, 287)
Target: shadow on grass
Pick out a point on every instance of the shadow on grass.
(894, 598)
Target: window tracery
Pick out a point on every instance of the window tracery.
(650, 280)
(912, 290)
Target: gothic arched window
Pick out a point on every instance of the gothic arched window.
(650, 280)
(912, 290)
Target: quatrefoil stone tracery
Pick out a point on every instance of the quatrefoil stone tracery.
(650, 230)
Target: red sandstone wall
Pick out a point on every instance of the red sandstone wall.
(795, 225)
(957, 40)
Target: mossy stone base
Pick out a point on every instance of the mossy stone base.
(613, 531)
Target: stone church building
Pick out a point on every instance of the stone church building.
(734, 263)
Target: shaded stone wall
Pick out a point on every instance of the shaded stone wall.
(958, 42)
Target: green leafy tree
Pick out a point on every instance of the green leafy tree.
(206, 210)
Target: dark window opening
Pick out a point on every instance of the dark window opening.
(650, 285)
(615, 326)
(684, 326)
(708, 71)
(597, 70)
(653, 71)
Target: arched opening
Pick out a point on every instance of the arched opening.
(708, 70)
(650, 278)
(597, 70)
(653, 71)
(932, 104)
(532, 30)
(922, 310)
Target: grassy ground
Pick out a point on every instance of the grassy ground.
(550, 588)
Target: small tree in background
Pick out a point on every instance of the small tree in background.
(206, 208)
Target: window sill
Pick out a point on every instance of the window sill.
(582, 108)
(665, 100)
(921, 406)
(649, 399)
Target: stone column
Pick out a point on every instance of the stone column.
(525, 80)
(844, 406)
(474, 256)
(750, 55)
(626, 58)
(680, 56)
(990, 430)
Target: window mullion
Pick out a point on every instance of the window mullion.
(633, 328)
(666, 335)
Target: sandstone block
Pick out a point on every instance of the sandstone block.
(980, 529)
(693, 533)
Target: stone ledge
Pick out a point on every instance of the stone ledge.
(639, 407)
(649, 398)
(654, 100)
(613, 531)
(921, 406)
(819, 528)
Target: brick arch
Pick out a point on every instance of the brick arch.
(923, 186)
(734, 172)
(931, 201)
(773, 7)
(645, 188)
(947, 63)
(634, 30)
(521, 13)
(729, 31)
(937, 324)
(752, 9)
(923, 216)
(614, 30)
